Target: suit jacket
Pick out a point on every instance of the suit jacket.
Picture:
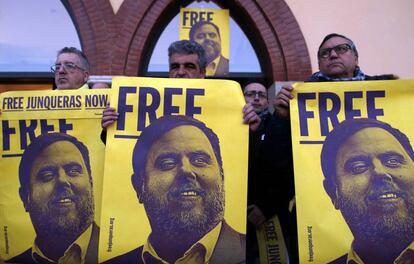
(222, 68)
(340, 260)
(230, 249)
(407, 256)
(91, 256)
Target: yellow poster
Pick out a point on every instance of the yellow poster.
(175, 171)
(209, 28)
(51, 170)
(354, 171)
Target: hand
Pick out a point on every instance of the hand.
(256, 217)
(109, 116)
(250, 117)
(282, 100)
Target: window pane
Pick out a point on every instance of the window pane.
(31, 33)
(242, 55)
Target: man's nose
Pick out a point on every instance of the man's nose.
(186, 168)
(62, 69)
(333, 54)
(380, 171)
(181, 70)
(62, 177)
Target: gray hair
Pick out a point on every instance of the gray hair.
(332, 35)
(83, 59)
(189, 47)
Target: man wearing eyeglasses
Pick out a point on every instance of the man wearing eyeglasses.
(338, 61)
(71, 69)
(255, 93)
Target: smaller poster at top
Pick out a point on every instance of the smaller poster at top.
(209, 28)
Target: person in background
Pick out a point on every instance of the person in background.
(256, 94)
(187, 59)
(71, 69)
(101, 85)
(338, 61)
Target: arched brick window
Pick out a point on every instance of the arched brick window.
(121, 43)
(243, 58)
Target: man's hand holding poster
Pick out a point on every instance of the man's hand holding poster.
(51, 175)
(175, 172)
(354, 171)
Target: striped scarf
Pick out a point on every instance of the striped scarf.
(358, 76)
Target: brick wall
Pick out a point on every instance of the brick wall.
(120, 44)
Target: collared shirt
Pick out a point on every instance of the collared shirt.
(75, 252)
(199, 253)
(407, 256)
(212, 67)
(84, 87)
(263, 113)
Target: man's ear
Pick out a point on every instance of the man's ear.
(203, 74)
(138, 189)
(85, 76)
(332, 191)
(24, 196)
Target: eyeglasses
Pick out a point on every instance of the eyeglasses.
(69, 66)
(253, 94)
(339, 49)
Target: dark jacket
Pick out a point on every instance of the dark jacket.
(340, 260)
(277, 164)
(222, 69)
(268, 167)
(90, 258)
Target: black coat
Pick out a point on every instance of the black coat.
(90, 258)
